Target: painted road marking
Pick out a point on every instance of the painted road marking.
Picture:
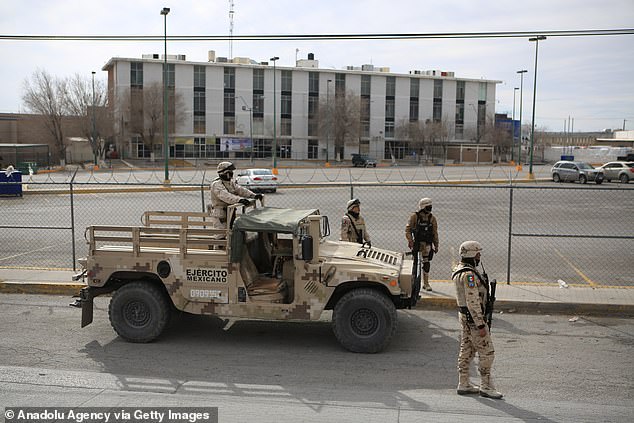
(579, 272)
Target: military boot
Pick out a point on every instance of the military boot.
(487, 390)
(426, 286)
(464, 385)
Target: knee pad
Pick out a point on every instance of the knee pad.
(426, 267)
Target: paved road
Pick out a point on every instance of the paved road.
(467, 212)
(549, 368)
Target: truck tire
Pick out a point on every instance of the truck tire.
(139, 311)
(364, 320)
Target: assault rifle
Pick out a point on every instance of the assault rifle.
(488, 307)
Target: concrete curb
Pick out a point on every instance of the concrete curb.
(538, 307)
(445, 303)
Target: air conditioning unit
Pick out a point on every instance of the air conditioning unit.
(368, 68)
(221, 60)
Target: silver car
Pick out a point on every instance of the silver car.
(576, 171)
(622, 171)
(257, 180)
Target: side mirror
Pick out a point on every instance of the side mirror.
(307, 248)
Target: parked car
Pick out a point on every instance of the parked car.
(576, 171)
(363, 160)
(257, 180)
(623, 171)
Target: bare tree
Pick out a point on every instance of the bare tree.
(46, 95)
(143, 110)
(339, 119)
(498, 136)
(80, 103)
(437, 134)
(414, 132)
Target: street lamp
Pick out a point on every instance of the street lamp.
(530, 166)
(329, 117)
(250, 109)
(274, 59)
(513, 125)
(519, 146)
(94, 139)
(164, 12)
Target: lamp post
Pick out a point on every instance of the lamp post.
(94, 137)
(274, 59)
(329, 117)
(513, 125)
(519, 145)
(164, 12)
(530, 166)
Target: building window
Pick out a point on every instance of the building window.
(286, 105)
(313, 149)
(313, 83)
(438, 88)
(413, 109)
(396, 149)
(313, 113)
(389, 129)
(437, 111)
(199, 103)
(460, 90)
(285, 127)
(230, 78)
(389, 108)
(230, 104)
(199, 77)
(459, 113)
(482, 95)
(340, 84)
(258, 125)
(414, 87)
(229, 126)
(258, 79)
(287, 80)
(199, 124)
(139, 148)
(366, 85)
(171, 75)
(262, 148)
(390, 86)
(284, 149)
(136, 75)
(258, 105)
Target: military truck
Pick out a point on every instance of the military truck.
(270, 264)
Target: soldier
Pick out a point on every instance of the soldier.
(224, 192)
(422, 236)
(471, 296)
(352, 225)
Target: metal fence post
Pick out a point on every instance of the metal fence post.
(202, 190)
(72, 220)
(508, 259)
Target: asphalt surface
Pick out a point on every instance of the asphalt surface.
(549, 368)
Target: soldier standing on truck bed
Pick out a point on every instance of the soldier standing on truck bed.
(472, 293)
(224, 192)
(353, 227)
(422, 236)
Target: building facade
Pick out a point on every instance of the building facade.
(225, 109)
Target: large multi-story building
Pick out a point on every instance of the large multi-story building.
(225, 108)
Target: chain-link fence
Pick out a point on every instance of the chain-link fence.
(579, 234)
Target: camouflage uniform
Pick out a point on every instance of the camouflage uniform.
(348, 232)
(353, 227)
(223, 194)
(471, 296)
(424, 248)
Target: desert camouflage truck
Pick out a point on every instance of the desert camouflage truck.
(270, 264)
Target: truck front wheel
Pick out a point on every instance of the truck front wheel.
(139, 311)
(364, 320)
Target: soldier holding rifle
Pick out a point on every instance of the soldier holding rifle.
(475, 304)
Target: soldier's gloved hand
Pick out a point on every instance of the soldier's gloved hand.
(244, 201)
(259, 197)
(410, 244)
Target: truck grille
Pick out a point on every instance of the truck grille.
(382, 256)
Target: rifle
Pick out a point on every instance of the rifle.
(416, 273)
(488, 307)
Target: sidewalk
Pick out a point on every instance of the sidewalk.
(524, 298)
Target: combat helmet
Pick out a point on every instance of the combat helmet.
(469, 249)
(424, 202)
(224, 167)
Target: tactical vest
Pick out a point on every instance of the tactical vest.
(461, 297)
(358, 228)
(424, 230)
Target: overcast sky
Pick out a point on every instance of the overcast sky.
(590, 79)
